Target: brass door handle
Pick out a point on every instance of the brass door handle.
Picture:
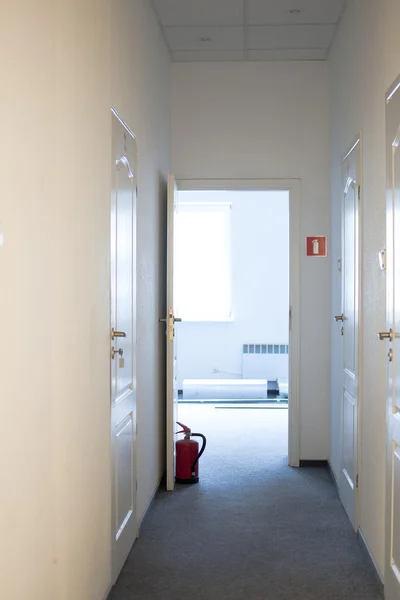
(117, 334)
(120, 351)
(386, 335)
(339, 318)
(175, 320)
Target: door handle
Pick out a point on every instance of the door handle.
(175, 320)
(117, 334)
(339, 318)
(120, 351)
(386, 335)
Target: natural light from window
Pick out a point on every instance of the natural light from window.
(202, 261)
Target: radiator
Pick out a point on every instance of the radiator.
(265, 361)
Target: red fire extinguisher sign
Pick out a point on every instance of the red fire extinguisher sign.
(316, 246)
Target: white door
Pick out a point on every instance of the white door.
(172, 391)
(392, 566)
(350, 323)
(123, 343)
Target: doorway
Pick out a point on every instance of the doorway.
(250, 372)
(232, 294)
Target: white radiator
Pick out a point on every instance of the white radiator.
(265, 361)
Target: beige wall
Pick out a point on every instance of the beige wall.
(364, 61)
(269, 120)
(63, 65)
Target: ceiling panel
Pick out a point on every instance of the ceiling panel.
(199, 12)
(249, 29)
(271, 12)
(284, 36)
(208, 56)
(204, 38)
(285, 54)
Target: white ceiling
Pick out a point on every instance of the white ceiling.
(220, 30)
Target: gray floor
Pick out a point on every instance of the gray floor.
(252, 528)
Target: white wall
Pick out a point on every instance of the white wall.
(260, 288)
(363, 63)
(63, 65)
(265, 120)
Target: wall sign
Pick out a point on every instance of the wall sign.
(316, 246)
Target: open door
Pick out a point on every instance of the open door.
(350, 327)
(123, 343)
(391, 338)
(170, 320)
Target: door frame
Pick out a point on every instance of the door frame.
(292, 186)
(390, 591)
(356, 143)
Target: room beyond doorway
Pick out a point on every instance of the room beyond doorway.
(231, 286)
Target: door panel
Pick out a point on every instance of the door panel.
(349, 300)
(392, 563)
(348, 479)
(348, 461)
(124, 484)
(123, 343)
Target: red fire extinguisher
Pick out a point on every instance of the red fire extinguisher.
(187, 456)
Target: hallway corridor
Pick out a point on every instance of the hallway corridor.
(252, 529)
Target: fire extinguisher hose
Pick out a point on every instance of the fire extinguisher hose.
(203, 437)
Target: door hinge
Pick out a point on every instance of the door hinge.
(359, 192)
(357, 481)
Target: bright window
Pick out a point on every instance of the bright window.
(202, 261)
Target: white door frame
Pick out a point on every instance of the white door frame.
(293, 187)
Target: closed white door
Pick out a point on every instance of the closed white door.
(170, 320)
(123, 343)
(391, 338)
(349, 322)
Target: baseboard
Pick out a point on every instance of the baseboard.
(362, 538)
(313, 463)
(152, 497)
